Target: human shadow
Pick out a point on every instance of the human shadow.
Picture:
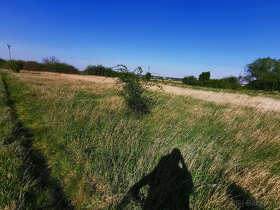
(35, 167)
(170, 185)
(242, 199)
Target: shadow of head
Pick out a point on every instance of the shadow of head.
(241, 198)
(169, 185)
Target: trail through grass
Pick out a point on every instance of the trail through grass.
(25, 178)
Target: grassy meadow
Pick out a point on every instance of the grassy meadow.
(68, 142)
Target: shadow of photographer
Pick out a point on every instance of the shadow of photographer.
(170, 185)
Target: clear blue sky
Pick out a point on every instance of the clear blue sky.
(175, 38)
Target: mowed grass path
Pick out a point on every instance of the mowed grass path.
(97, 150)
(25, 181)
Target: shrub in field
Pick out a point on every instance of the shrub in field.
(190, 80)
(15, 65)
(99, 70)
(133, 87)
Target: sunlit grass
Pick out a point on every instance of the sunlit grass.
(98, 150)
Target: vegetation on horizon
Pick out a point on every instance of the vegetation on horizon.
(205, 81)
(100, 70)
(262, 74)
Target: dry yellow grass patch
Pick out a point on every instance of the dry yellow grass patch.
(253, 179)
(261, 103)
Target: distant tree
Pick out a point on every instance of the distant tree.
(230, 82)
(190, 80)
(148, 76)
(204, 76)
(263, 74)
(99, 70)
(50, 59)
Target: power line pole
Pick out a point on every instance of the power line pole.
(9, 47)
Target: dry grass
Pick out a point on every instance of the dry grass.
(224, 138)
(261, 103)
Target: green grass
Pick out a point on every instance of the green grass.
(24, 183)
(97, 150)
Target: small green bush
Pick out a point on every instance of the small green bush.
(15, 65)
(132, 89)
(100, 70)
(190, 80)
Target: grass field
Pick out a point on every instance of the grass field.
(67, 141)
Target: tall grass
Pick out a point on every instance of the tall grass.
(24, 183)
(98, 150)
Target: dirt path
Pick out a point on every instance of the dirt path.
(260, 103)
(38, 169)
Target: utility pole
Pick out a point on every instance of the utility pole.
(9, 47)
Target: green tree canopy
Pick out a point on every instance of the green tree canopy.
(99, 70)
(148, 76)
(204, 76)
(190, 80)
(264, 74)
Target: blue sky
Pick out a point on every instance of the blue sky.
(175, 38)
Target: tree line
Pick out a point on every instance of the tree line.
(48, 64)
(204, 80)
(262, 74)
